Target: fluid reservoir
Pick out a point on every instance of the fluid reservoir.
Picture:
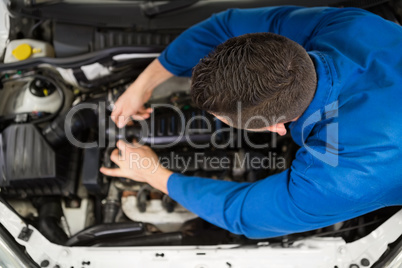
(38, 94)
(22, 49)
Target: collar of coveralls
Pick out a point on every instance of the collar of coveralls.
(325, 96)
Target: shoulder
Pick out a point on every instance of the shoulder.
(352, 24)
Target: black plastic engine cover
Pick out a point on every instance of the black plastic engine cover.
(29, 166)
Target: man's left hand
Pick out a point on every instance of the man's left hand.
(138, 162)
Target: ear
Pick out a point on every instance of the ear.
(278, 128)
(281, 129)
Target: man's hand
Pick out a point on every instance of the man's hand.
(139, 163)
(131, 103)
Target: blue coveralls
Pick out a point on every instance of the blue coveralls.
(350, 162)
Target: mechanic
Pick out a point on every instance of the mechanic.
(335, 74)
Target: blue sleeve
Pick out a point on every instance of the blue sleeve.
(281, 204)
(184, 53)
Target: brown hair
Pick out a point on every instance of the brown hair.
(271, 76)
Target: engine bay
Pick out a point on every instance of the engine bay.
(56, 133)
(56, 136)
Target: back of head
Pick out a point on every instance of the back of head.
(271, 78)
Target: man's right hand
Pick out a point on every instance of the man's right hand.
(131, 103)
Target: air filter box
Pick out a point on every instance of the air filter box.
(30, 166)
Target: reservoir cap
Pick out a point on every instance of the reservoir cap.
(22, 52)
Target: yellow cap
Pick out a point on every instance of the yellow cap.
(22, 52)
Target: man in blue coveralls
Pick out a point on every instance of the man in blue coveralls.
(335, 74)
